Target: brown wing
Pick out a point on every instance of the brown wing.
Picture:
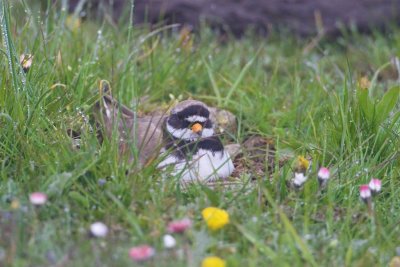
(141, 134)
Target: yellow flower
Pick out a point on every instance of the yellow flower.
(215, 218)
(302, 164)
(364, 82)
(15, 204)
(213, 262)
(73, 23)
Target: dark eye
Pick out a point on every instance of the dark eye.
(186, 124)
(175, 122)
(207, 124)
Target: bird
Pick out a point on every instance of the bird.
(191, 146)
(183, 141)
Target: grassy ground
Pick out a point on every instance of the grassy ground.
(307, 99)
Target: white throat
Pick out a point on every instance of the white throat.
(204, 166)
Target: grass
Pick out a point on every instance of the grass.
(309, 103)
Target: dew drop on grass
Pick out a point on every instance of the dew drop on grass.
(102, 182)
(309, 237)
(334, 243)
(358, 243)
(32, 165)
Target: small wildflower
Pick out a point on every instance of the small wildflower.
(364, 83)
(323, 175)
(299, 179)
(375, 185)
(213, 262)
(365, 192)
(215, 218)
(98, 229)
(15, 204)
(141, 253)
(169, 241)
(101, 182)
(179, 226)
(38, 198)
(186, 39)
(73, 23)
(302, 164)
(26, 61)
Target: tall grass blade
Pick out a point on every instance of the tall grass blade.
(238, 80)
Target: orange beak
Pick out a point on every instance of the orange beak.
(197, 127)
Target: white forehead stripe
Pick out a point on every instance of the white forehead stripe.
(195, 118)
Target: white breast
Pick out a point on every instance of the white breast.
(204, 166)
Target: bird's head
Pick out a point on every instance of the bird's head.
(190, 120)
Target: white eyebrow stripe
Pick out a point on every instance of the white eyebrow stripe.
(195, 118)
(180, 133)
(207, 132)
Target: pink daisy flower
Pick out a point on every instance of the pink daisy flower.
(365, 192)
(38, 198)
(169, 241)
(299, 179)
(141, 253)
(324, 174)
(375, 185)
(98, 229)
(179, 226)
